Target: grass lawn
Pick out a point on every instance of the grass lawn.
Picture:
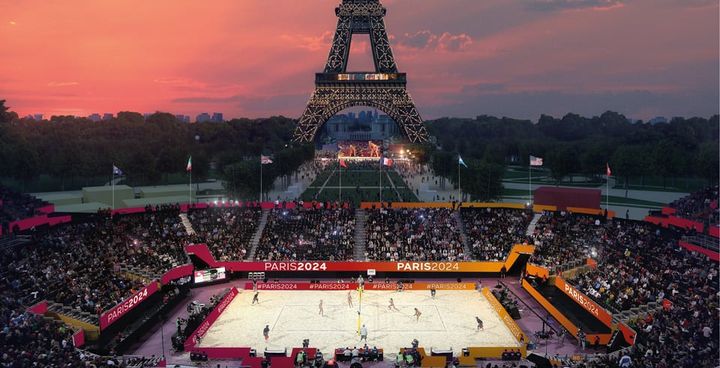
(354, 183)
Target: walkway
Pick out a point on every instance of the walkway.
(258, 234)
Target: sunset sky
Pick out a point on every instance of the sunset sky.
(255, 58)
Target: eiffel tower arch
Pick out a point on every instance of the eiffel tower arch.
(337, 89)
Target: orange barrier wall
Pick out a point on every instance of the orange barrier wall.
(368, 205)
(540, 208)
(515, 252)
(590, 211)
(537, 271)
(504, 316)
(202, 252)
(584, 301)
(564, 321)
(518, 206)
(536, 207)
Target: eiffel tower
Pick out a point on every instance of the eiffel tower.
(337, 89)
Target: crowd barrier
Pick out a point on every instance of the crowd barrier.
(29, 223)
(714, 231)
(202, 329)
(564, 321)
(177, 273)
(79, 338)
(114, 314)
(676, 221)
(39, 308)
(584, 301)
(509, 322)
(203, 253)
(715, 256)
(345, 286)
(537, 271)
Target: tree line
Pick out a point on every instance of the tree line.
(146, 150)
(682, 147)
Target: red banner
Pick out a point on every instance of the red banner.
(715, 256)
(209, 320)
(202, 252)
(176, 273)
(39, 308)
(628, 333)
(584, 301)
(79, 338)
(114, 314)
(714, 231)
(341, 286)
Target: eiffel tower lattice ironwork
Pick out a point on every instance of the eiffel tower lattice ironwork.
(384, 89)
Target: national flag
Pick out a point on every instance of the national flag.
(188, 168)
(607, 169)
(536, 161)
(461, 162)
(117, 171)
(343, 163)
(387, 162)
(265, 160)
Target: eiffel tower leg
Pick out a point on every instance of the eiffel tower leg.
(315, 115)
(407, 117)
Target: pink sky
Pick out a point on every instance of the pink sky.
(253, 58)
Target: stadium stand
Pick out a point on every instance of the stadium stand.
(17, 206)
(492, 232)
(85, 266)
(564, 240)
(226, 231)
(308, 234)
(414, 235)
(701, 206)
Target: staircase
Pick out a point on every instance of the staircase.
(186, 223)
(255, 240)
(14, 241)
(463, 234)
(636, 312)
(533, 223)
(360, 235)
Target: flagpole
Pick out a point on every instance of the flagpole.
(459, 187)
(190, 191)
(607, 194)
(340, 168)
(530, 183)
(261, 193)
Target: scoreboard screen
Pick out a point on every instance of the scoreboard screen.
(209, 275)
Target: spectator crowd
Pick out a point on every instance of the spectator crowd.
(226, 231)
(491, 232)
(79, 264)
(700, 206)
(85, 265)
(422, 234)
(17, 206)
(318, 233)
